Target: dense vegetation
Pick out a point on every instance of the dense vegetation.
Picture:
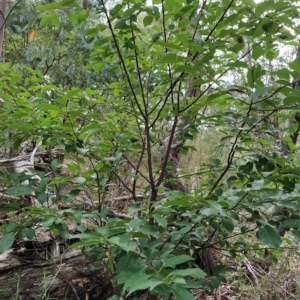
(119, 95)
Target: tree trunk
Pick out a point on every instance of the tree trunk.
(3, 4)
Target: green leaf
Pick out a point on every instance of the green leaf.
(295, 65)
(260, 92)
(138, 281)
(69, 3)
(49, 18)
(71, 195)
(149, 230)
(49, 7)
(19, 190)
(78, 16)
(291, 223)
(28, 233)
(257, 51)
(168, 58)
(48, 221)
(296, 234)
(269, 236)
(181, 293)
(160, 220)
(176, 260)
(291, 100)
(6, 241)
(227, 223)
(147, 20)
(194, 272)
(77, 216)
(79, 179)
(258, 184)
(153, 282)
(10, 207)
(47, 106)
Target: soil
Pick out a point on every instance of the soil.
(70, 276)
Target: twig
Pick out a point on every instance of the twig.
(10, 13)
(54, 276)
(274, 282)
(251, 270)
(73, 289)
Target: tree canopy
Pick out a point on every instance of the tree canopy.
(125, 91)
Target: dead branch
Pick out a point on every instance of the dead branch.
(255, 275)
(276, 284)
(113, 214)
(8, 197)
(22, 157)
(129, 197)
(73, 289)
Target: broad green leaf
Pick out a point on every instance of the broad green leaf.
(19, 190)
(49, 6)
(160, 220)
(147, 20)
(153, 282)
(269, 236)
(28, 233)
(48, 221)
(296, 234)
(139, 281)
(258, 184)
(260, 92)
(6, 241)
(10, 207)
(49, 107)
(176, 260)
(149, 230)
(295, 65)
(180, 293)
(77, 216)
(291, 223)
(78, 16)
(79, 179)
(49, 18)
(195, 272)
(168, 58)
(227, 223)
(124, 242)
(70, 3)
(291, 100)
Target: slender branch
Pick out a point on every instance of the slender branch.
(136, 168)
(73, 289)
(171, 88)
(219, 21)
(122, 60)
(10, 13)
(230, 155)
(165, 162)
(136, 57)
(211, 84)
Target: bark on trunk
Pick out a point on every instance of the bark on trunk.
(3, 4)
